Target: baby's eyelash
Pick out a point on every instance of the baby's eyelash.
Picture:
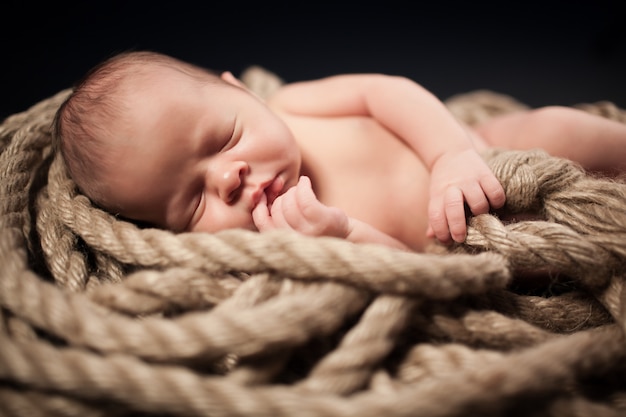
(232, 139)
(197, 212)
(227, 144)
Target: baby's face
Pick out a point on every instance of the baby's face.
(199, 157)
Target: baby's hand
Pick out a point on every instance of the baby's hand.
(300, 210)
(458, 178)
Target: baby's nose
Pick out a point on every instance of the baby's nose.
(231, 181)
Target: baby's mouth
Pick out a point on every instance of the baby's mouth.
(273, 190)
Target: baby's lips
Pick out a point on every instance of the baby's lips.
(260, 200)
(274, 190)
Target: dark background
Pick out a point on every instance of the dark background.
(540, 52)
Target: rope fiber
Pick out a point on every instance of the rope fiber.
(99, 317)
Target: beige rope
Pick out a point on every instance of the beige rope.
(99, 317)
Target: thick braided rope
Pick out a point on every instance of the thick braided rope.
(169, 389)
(99, 317)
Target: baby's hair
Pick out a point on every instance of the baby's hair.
(82, 123)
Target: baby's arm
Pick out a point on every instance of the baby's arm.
(458, 173)
(300, 210)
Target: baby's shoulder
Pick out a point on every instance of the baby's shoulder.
(321, 98)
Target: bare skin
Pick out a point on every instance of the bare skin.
(361, 181)
(368, 157)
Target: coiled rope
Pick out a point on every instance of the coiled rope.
(101, 318)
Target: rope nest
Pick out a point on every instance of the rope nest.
(101, 318)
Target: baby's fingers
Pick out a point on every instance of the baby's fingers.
(283, 208)
(494, 191)
(447, 216)
(307, 200)
(476, 199)
(288, 209)
(261, 216)
(455, 214)
(438, 219)
(306, 211)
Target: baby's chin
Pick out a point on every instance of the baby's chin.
(252, 227)
(243, 225)
(247, 226)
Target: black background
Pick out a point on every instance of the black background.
(540, 52)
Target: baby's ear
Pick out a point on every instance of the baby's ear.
(230, 78)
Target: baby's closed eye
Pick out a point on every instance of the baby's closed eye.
(198, 206)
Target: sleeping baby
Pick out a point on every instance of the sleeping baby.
(365, 157)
